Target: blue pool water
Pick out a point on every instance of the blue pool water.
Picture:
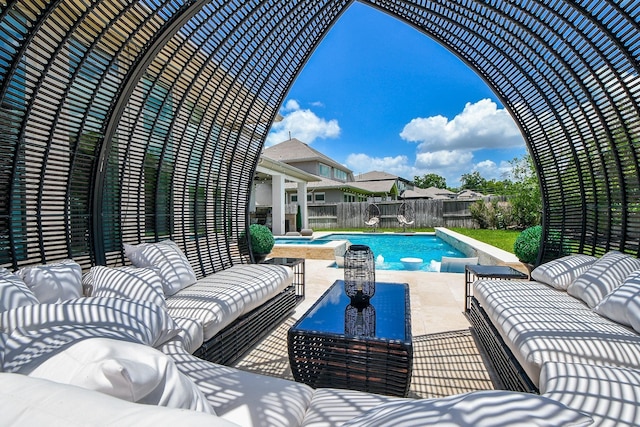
(389, 248)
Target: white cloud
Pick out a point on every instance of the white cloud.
(450, 164)
(443, 160)
(490, 170)
(302, 124)
(480, 125)
(291, 105)
(362, 163)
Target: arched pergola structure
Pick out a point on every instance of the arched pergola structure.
(128, 121)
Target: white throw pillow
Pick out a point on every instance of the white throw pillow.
(477, 409)
(26, 401)
(14, 292)
(561, 272)
(175, 270)
(54, 282)
(602, 277)
(143, 321)
(622, 305)
(129, 283)
(128, 371)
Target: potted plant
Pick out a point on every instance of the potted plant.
(261, 241)
(527, 245)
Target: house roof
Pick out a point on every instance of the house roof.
(469, 194)
(375, 176)
(294, 150)
(428, 193)
(388, 186)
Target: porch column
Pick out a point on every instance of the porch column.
(277, 210)
(302, 201)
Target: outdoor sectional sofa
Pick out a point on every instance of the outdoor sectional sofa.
(572, 332)
(123, 357)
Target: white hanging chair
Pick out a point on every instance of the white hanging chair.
(406, 216)
(372, 216)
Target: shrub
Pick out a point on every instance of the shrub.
(262, 240)
(491, 214)
(527, 244)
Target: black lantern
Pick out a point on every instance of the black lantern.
(359, 275)
(360, 321)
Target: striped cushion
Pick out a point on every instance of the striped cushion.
(602, 277)
(175, 270)
(54, 282)
(129, 283)
(14, 292)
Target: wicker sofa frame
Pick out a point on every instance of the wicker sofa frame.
(235, 340)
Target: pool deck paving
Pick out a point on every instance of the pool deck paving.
(446, 358)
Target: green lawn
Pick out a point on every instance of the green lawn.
(503, 239)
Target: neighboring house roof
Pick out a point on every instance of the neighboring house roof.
(428, 193)
(469, 194)
(388, 186)
(294, 150)
(376, 176)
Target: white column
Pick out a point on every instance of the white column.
(252, 198)
(302, 201)
(277, 210)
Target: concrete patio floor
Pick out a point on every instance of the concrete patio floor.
(446, 358)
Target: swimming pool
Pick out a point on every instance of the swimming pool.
(389, 248)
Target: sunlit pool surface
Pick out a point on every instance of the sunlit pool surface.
(389, 248)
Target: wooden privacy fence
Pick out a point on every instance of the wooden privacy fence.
(428, 213)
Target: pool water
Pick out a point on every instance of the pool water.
(389, 248)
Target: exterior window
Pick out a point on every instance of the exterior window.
(324, 170)
(309, 197)
(294, 198)
(340, 174)
(319, 197)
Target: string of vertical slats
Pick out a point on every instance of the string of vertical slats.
(180, 120)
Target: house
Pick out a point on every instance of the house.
(385, 185)
(336, 182)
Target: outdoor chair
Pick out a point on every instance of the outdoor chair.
(456, 265)
(372, 216)
(406, 215)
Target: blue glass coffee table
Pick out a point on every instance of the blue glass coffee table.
(336, 344)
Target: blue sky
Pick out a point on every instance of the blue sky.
(379, 95)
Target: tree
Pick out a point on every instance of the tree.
(473, 181)
(525, 195)
(430, 180)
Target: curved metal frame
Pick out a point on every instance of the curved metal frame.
(135, 121)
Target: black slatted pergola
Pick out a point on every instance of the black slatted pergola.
(129, 121)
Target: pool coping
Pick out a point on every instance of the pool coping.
(487, 254)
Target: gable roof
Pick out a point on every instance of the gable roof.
(428, 193)
(376, 176)
(294, 150)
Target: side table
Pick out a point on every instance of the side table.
(473, 272)
(297, 264)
